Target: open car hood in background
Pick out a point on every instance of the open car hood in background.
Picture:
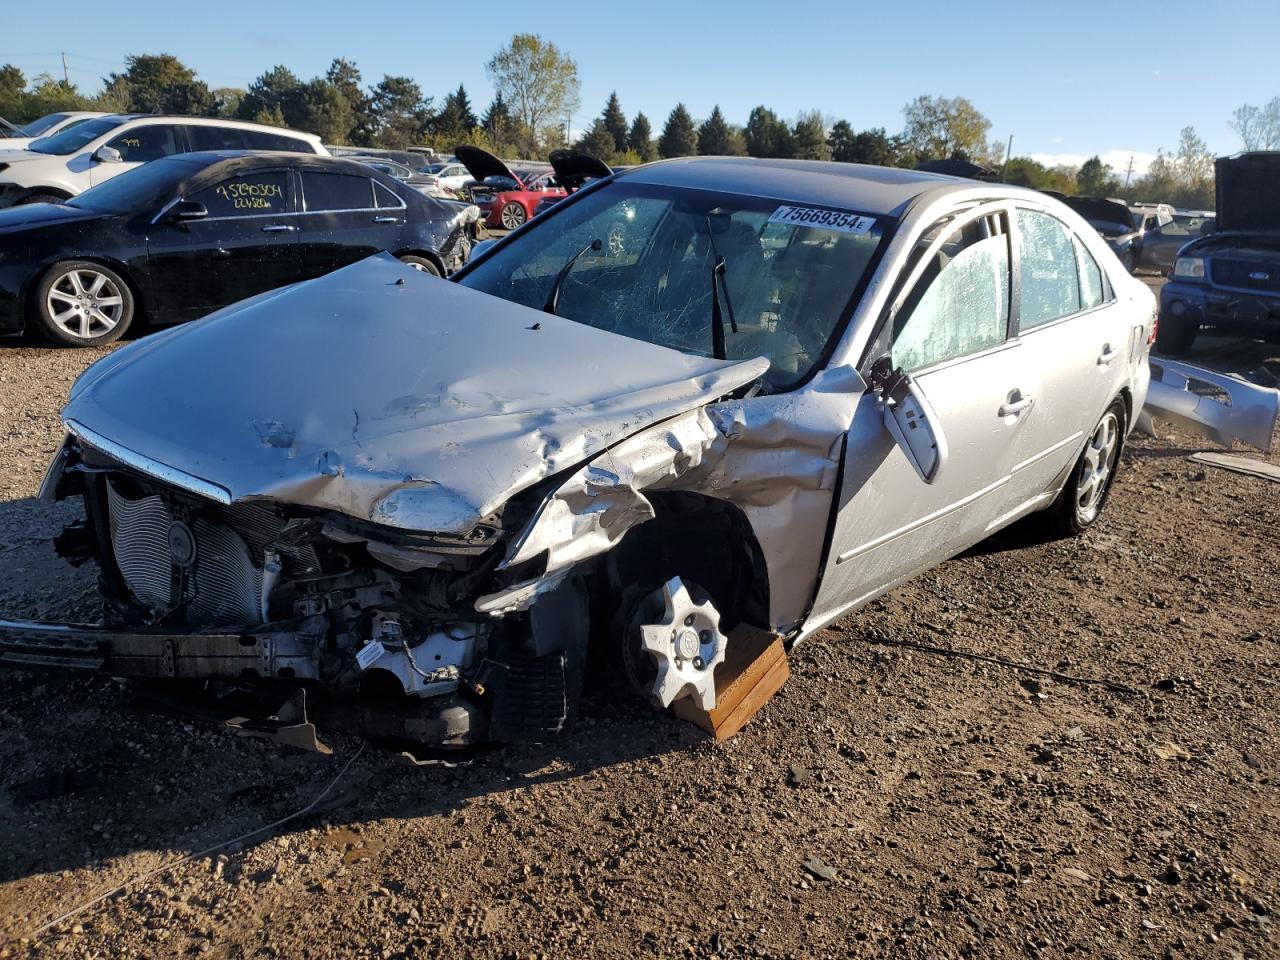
(573, 169)
(482, 164)
(1248, 191)
(384, 394)
(1102, 210)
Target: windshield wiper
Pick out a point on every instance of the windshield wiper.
(553, 300)
(718, 284)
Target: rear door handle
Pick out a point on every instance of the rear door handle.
(1016, 404)
(388, 220)
(278, 228)
(1107, 355)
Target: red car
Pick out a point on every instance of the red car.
(507, 198)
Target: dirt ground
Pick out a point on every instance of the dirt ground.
(957, 807)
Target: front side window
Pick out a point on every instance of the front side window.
(150, 142)
(336, 191)
(790, 270)
(960, 305)
(260, 193)
(1050, 283)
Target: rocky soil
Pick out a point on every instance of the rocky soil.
(889, 802)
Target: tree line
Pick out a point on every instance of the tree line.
(537, 91)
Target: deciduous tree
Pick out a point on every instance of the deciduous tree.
(766, 135)
(538, 81)
(938, 128)
(809, 137)
(160, 83)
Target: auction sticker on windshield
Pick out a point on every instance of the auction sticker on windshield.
(827, 219)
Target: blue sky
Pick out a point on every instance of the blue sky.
(1065, 79)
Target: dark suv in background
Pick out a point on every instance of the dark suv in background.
(1229, 281)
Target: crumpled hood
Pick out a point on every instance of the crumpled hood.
(385, 394)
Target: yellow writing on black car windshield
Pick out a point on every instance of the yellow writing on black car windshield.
(253, 196)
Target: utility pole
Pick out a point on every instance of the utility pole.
(65, 79)
(1004, 171)
(1128, 173)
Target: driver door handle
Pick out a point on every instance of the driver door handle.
(278, 228)
(388, 220)
(1016, 404)
(1107, 355)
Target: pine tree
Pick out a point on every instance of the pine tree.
(597, 141)
(615, 121)
(640, 139)
(809, 138)
(497, 123)
(714, 136)
(679, 136)
(455, 118)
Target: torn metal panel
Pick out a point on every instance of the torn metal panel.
(439, 403)
(775, 457)
(1236, 464)
(1215, 405)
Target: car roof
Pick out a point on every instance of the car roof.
(207, 158)
(214, 122)
(861, 187)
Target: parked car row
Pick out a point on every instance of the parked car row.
(20, 137)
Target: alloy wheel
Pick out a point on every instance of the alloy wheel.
(1099, 462)
(512, 215)
(85, 303)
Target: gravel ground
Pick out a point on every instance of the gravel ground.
(887, 802)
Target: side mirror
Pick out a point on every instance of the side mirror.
(188, 210)
(913, 425)
(108, 155)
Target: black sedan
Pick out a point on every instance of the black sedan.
(185, 235)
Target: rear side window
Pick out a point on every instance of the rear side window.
(218, 138)
(265, 140)
(385, 198)
(1092, 291)
(260, 193)
(1050, 283)
(336, 191)
(960, 304)
(150, 142)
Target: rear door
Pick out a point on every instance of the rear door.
(247, 244)
(1073, 336)
(949, 329)
(345, 217)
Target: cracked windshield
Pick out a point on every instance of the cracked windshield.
(692, 270)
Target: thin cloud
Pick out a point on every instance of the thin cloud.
(1117, 160)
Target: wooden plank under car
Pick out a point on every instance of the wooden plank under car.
(754, 669)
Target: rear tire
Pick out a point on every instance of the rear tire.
(39, 198)
(423, 264)
(1083, 496)
(79, 303)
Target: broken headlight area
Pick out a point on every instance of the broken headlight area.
(380, 624)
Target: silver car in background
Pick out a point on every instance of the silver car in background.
(702, 393)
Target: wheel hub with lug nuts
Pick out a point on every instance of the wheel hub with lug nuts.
(686, 646)
(85, 303)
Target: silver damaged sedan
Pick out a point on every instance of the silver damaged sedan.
(695, 396)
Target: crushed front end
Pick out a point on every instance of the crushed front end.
(378, 624)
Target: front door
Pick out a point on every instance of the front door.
(247, 244)
(949, 330)
(138, 145)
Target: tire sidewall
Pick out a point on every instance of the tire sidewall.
(57, 334)
(1074, 520)
(521, 217)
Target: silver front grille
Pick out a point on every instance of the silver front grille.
(224, 584)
